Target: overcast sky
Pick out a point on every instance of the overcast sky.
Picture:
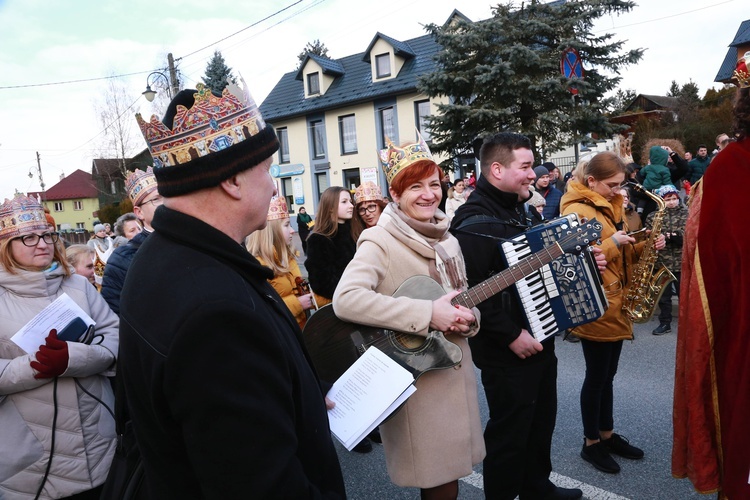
(58, 41)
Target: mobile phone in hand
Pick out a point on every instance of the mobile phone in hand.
(73, 331)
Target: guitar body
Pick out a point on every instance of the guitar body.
(335, 345)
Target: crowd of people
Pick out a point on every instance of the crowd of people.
(195, 355)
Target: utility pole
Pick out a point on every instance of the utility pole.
(41, 180)
(174, 84)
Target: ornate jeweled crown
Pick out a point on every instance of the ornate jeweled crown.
(367, 191)
(21, 215)
(140, 184)
(395, 159)
(741, 73)
(211, 124)
(277, 209)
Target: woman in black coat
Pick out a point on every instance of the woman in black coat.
(333, 241)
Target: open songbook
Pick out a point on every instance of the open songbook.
(370, 390)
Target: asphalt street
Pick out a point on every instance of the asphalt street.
(643, 413)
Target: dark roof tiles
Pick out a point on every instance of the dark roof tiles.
(355, 85)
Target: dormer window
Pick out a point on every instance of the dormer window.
(313, 83)
(383, 65)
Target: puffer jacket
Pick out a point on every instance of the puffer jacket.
(614, 325)
(85, 429)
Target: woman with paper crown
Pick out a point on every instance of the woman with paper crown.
(369, 203)
(436, 437)
(272, 246)
(56, 402)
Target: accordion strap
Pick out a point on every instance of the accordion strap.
(488, 219)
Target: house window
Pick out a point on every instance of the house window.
(348, 134)
(387, 126)
(318, 139)
(80, 225)
(383, 65)
(351, 178)
(283, 135)
(113, 187)
(313, 83)
(422, 110)
(78, 205)
(58, 206)
(321, 182)
(287, 193)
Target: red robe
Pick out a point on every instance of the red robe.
(712, 373)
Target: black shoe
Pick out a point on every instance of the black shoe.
(364, 446)
(374, 436)
(662, 329)
(598, 456)
(564, 494)
(622, 447)
(572, 338)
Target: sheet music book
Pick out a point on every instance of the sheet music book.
(370, 390)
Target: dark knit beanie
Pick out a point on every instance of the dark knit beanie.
(243, 145)
(549, 166)
(540, 171)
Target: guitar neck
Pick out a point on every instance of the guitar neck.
(502, 280)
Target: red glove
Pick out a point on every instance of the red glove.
(52, 358)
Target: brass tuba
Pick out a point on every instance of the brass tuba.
(647, 286)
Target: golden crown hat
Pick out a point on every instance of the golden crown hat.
(21, 215)
(741, 74)
(395, 159)
(139, 184)
(277, 209)
(211, 138)
(367, 191)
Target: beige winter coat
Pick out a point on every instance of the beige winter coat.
(85, 430)
(437, 436)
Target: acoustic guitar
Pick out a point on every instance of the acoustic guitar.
(334, 345)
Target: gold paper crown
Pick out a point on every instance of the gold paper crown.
(277, 209)
(211, 124)
(395, 159)
(21, 215)
(140, 184)
(367, 191)
(741, 73)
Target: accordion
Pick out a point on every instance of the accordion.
(563, 294)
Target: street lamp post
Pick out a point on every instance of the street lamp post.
(149, 93)
(171, 80)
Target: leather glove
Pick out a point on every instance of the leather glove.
(51, 358)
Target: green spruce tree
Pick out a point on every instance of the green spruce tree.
(218, 74)
(316, 47)
(503, 73)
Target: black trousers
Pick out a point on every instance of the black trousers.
(665, 302)
(597, 399)
(523, 408)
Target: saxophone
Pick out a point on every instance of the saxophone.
(647, 286)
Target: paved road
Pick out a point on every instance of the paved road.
(643, 413)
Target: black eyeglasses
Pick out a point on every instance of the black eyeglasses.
(369, 208)
(32, 240)
(155, 202)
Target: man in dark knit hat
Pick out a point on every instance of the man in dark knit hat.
(223, 398)
(551, 194)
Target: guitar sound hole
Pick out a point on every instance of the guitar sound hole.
(406, 341)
